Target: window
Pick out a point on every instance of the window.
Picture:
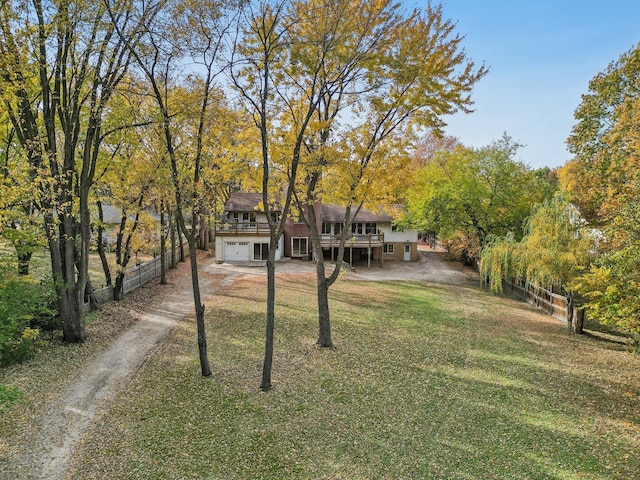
(275, 216)
(356, 228)
(389, 248)
(396, 228)
(330, 228)
(243, 216)
(260, 251)
(370, 227)
(299, 247)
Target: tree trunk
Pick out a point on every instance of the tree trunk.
(101, 252)
(199, 307)
(203, 233)
(71, 315)
(118, 288)
(172, 229)
(324, 321)
(265, 385)
(180, 240)
(575, 321)
(70, 291)
(163, 251)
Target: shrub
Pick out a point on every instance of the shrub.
(464, 248)
(25, 309)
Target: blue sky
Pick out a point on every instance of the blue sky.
(541, 56)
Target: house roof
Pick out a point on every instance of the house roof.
(244, 202)
(248, 202)
(335, 213)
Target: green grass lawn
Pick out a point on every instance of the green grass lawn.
(425, 382)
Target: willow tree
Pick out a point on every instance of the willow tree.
(557, 247)
(60, 63)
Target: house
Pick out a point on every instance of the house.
(373, 237)
(242, 235)
(242, 232)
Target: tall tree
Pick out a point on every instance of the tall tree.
(474, 193)
(413, 70)
(60, 64)
(603, 179)
(282, 91)
(185, 32)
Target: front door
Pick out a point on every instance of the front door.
(407, 252)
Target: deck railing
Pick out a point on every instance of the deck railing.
(354, 239)
(243, 228)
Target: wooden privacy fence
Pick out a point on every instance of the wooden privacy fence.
(558, 306)
(137, 276)
(552, 303)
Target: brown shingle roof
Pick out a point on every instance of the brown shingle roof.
(335, 213)
(245, 202)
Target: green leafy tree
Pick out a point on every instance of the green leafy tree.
(20, 225)
(475, 194)
(604, 175)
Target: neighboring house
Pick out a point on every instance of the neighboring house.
(373, 237)
(112, 218)
(242, 233)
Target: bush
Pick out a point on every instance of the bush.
(25, 309)
(464, 248)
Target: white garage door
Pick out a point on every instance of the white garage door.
(236, 251)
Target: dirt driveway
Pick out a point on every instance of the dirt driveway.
(52, 443)
(430, 267)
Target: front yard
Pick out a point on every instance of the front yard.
(426, 381)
